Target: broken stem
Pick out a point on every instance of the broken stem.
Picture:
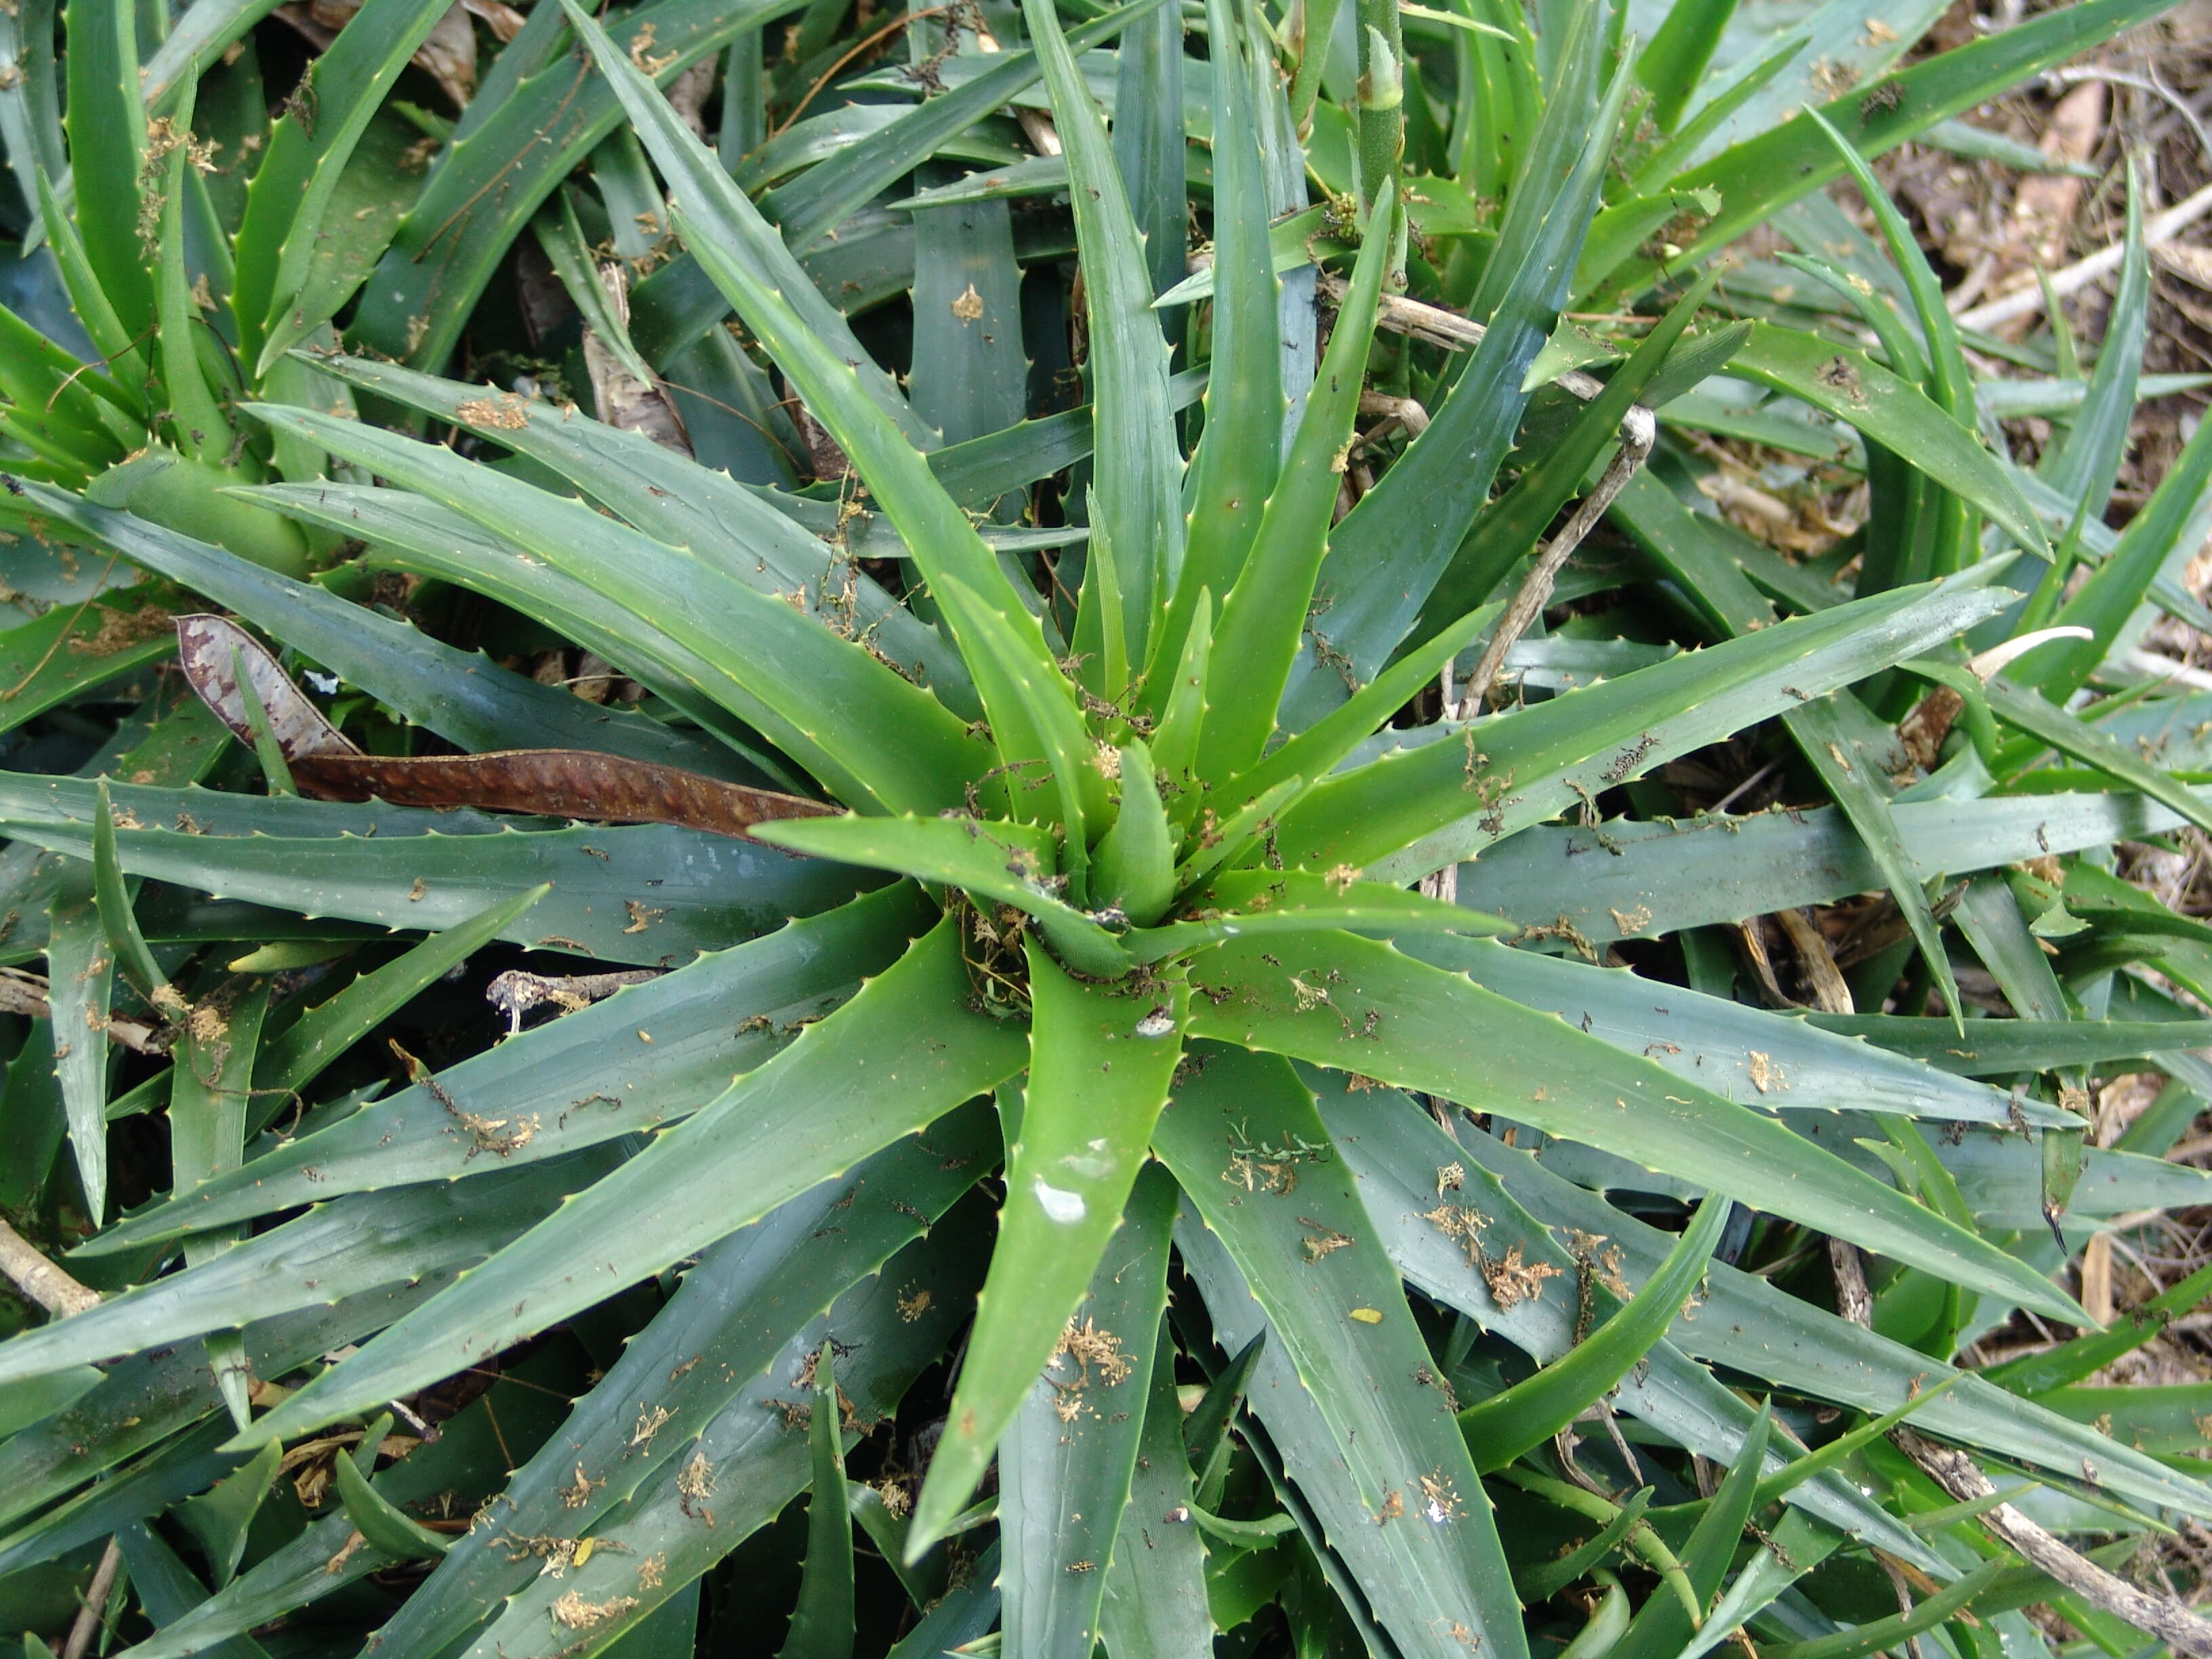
(1638, 431)
(515, 993)
(29, 1272)
(1956, 1474)
(26, 994)
(2162, 228)
(95, 1601)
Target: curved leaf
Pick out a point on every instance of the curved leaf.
(1361, 1006)
(1101, 1058)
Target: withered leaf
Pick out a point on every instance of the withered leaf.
(572, 783)
(215, 651)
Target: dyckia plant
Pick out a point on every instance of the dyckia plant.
(988, 944)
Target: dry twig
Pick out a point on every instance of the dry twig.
(1638, 431)
(2160, 1616)
(95, 1601)
(515, 993)
(2026, 301)
(26, 994)
(29, 1272)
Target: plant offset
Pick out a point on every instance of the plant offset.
(999, 777)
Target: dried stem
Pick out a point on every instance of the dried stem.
(515, 993)
(2160, 229)
(1637, 432)
(26, 994)
(95, 1601)
(30, 1271)
(2160, 1616)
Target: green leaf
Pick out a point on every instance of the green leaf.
(30, 111)
(972, 379)
(1389, 549)
(1822, 731)
(107, 146)
(298, 1055)
(1257, 903)
(165, 1587)
(1149, 140)
(80, 985)
(532, 122)
(2085, 458)
(1845, 1446)
(1454, 1241)
(1724, 869)
(1751, 1326)
(415, 534)
(868, 735)
(749, 1460)
(749, 265)
(1503, 1428)
(1998, 1047)
(57, 658)
(1183, 717)
(1672, 66)
(2036, 1374)
(2104, 604)
(748, 1301)
(1512, 527)
(1663, 1625)
(194, 500)
(1239, 454)
(822, 1618)
(426, 871)
(1155, 1599)
(113, 901)
(1037, 724)
(210, 1092)
(988, 858)
(219, 1517)
(1792, 158)
(1542, 1582)
(197, 424)
(1859, 1640)
(2084, 743)
(570, 255)
(193, 44)
(813, 1110)
(386, 1528)
(146, 1401)
(290, 197)
(1263, 618)
(811, 204)
(1070, 1454)
(352, 1245)
(1344, 1387)
(117, 351)
(1469, 786)
(724, 1013)
(463, 697)
(1785, 1063)
(1101, 1060)
(1134, 440)
(1214, 844)
(33, 1402)
(963, 1616)
(684, 505)
(1135, 868)
(1316, 751)
(1846, 383)
(1363, 1008)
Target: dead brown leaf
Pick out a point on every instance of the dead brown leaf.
(571, 783)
